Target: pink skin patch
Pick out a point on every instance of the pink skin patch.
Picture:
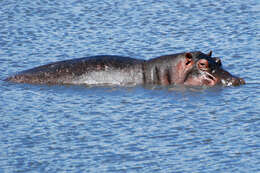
(182, 68)
(204, 78)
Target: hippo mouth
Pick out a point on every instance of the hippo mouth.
(208, 79)
(201, 78)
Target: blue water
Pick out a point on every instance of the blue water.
(135, 129)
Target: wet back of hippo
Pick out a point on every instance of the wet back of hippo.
(96, 70)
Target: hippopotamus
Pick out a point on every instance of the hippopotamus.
(188, 68)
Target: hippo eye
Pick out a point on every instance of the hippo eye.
(203, 64)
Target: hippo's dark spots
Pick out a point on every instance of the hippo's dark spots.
(168, 76)
(157, 74)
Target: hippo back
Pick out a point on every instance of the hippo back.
(89, 70)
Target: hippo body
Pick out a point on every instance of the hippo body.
(193, 69)
(96, 70)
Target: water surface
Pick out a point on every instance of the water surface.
(129, 129)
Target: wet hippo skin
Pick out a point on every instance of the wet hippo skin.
(191, 68)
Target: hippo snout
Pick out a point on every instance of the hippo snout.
(237, 81)
(233, 81)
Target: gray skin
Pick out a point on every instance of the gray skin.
(192, 69)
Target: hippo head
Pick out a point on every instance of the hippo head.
(208, 71)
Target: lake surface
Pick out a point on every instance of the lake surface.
(129, 129)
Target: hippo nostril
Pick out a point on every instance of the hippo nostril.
(242, 81)
(237, 81)
(234, 81)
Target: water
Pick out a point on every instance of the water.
(134, 129)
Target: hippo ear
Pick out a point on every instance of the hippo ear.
(188, 57)
(210, 53)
